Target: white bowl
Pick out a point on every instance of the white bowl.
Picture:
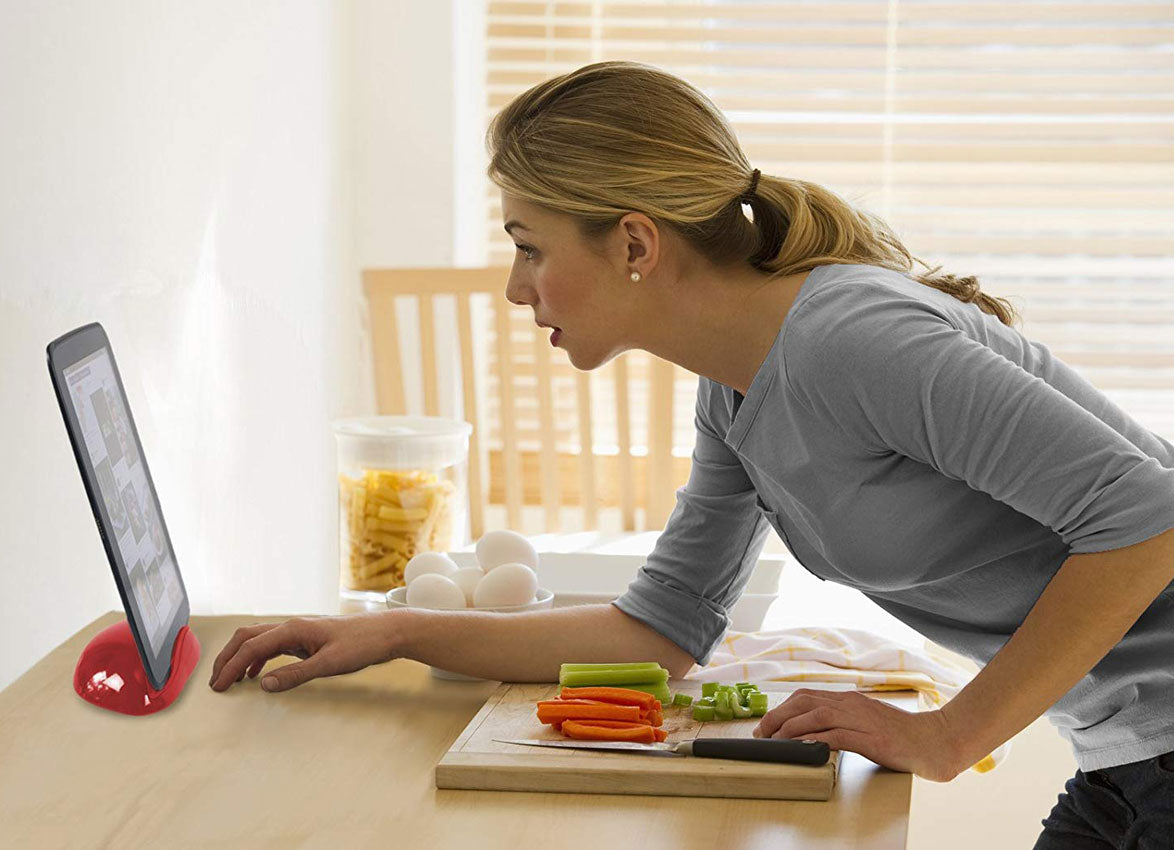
(542, 599)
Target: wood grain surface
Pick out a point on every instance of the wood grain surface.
(346, 761)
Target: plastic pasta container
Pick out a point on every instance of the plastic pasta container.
(402, 489)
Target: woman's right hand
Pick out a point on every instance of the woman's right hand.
(328, 646)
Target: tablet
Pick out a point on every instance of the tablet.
(114, 470)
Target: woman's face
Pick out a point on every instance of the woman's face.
(570, 286)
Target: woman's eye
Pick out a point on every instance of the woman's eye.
(527, 250)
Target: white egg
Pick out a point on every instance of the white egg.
(505, 547)
(507, 584)
(467, 580)
(432, 590)
(429, 562)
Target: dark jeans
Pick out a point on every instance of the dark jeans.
(1124, 806)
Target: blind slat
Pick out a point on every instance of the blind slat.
(945, 34)
(557, 58)
(1051, 13)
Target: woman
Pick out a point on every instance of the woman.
(893, 428)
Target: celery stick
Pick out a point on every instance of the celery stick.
(702, 713)
(658, 689)
(721, 699)
(742, 685)
(724, 713)
(629, 665)
(708, 689)
(682, 699)
(740, 711)
(612, 678)
(758, 704)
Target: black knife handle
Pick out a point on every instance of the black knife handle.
(784, 750)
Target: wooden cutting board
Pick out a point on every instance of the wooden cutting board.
(477, 762)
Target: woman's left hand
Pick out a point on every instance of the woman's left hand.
(912, 741)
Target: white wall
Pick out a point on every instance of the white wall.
(182, 173)
(420, 159)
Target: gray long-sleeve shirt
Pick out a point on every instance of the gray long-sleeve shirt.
(906, 444)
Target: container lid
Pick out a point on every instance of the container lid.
(399, 442)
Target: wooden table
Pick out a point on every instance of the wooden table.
(343, 762)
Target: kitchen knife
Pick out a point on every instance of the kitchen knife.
(783, 750)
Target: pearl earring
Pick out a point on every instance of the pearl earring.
(635, 277)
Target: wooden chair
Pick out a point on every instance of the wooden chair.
(496, 375)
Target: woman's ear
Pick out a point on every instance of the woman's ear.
(641, 239)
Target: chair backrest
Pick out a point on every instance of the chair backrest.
(501, 365)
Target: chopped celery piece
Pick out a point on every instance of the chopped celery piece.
(744, 694)
(702, 712)
(708, 689)
(721, 700)
(706, 701)
(742, 685)
(613, 678)
(758, 704)
(724, 713)
(682, 699)
(739, 710)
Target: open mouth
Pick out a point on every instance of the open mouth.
(554, 336)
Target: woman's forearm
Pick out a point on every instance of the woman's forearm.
(529, 646)
(1091, 602)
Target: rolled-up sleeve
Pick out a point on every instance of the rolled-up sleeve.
(909, 381)
(704, 557)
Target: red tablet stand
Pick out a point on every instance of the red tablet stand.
(110, 672)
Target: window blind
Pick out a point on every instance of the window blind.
(1028, 143)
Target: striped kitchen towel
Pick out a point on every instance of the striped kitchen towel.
(865, 660)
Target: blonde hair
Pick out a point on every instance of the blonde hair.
(613, 137)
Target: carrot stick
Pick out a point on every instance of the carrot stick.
(642, 734)
(590, 709)
(618, 724)
(542, 702)
(622, 696)
(550, 713)
(609, 724)
(600, 709)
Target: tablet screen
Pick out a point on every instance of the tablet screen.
(122, 481)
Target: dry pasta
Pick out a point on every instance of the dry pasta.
(387, 516)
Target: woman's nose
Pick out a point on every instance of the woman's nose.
(515, 293)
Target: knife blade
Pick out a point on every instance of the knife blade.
(782, 750)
